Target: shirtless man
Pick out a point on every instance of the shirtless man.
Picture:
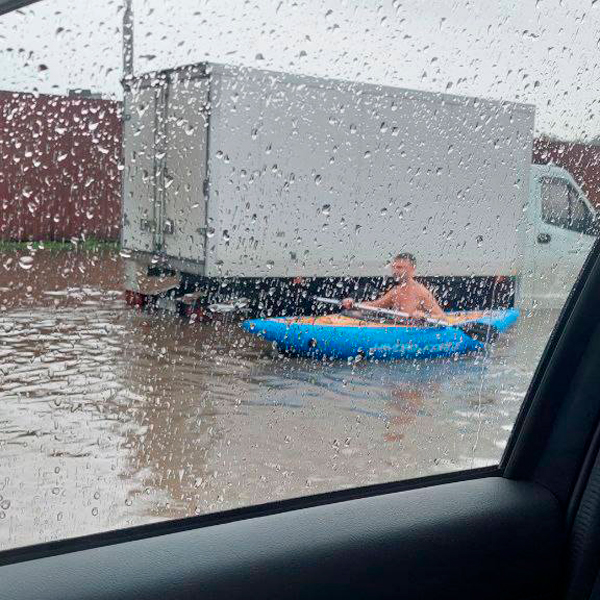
(407, 295)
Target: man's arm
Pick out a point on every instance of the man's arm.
(385, 301)
(430, 305)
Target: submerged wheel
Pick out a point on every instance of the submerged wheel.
(195, 313)
(135, 299)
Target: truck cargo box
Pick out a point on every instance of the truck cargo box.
(236, 172)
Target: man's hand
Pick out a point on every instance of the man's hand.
(418, 314)
(347, 303)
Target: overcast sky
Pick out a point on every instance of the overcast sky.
(543, 52)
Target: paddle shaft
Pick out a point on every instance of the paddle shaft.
(481, 332)
(384, 311)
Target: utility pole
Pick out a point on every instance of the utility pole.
(128, 40)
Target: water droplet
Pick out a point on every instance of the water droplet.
(26, 262)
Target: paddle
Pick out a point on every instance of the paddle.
(222, 307)
(480, 332)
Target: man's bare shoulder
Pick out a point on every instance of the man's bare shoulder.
(423, 290)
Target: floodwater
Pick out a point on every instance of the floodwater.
(111, 417)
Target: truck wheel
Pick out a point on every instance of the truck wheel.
(135, 299)
(195, 313)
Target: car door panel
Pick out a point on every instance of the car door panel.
(442, 541)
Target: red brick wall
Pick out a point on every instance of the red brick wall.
(59, 167)
(581, 160)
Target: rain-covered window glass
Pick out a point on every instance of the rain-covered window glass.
(556, 203)
(263, 250)
(581, 216)
(563, 206)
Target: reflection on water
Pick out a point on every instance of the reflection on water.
(112, 417)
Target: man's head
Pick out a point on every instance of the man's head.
(403, 266)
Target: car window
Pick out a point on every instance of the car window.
(581, 217)
(259, 251)
(555, 202)
(562, 206)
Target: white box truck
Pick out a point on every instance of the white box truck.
(272, 187)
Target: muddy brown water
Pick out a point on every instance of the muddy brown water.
(112, 417)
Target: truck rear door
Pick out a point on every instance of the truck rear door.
(186, 133)
(139, 181)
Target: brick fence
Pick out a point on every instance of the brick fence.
(60, 176)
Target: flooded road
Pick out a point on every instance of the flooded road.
(112, 417)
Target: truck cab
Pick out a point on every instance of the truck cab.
(562, 227)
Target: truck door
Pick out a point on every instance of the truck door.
(184, 224)
(139, 181)
(563, 239)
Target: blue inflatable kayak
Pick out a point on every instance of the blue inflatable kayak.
(340, 336)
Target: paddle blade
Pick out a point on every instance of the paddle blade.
(481, 332)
